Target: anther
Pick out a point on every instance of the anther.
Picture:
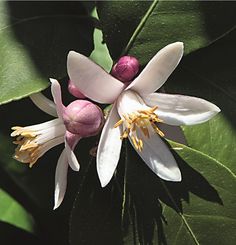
(140, 119)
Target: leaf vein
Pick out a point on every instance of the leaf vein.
(181, 215)
(205, 155)
(177, 234)
(210, 216)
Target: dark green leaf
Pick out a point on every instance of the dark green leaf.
(119, 21)
(35, 40)
(149, 26)
(198, 210)
(95, 217)
(210, 74)
(11, 235)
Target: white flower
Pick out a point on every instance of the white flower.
(137, 110)
(33, 141)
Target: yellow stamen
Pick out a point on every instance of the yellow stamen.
(135, 142)
(118, 123)
(28, 134)
(124, 135)
(28, 149)
(141, 119)
(141, 144)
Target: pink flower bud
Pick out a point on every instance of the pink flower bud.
(74, 90)
(125, 69)
(83, 118)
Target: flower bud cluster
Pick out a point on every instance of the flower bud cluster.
(85, 118)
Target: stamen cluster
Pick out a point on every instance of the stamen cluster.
(33, 141)
(27, 149)
(141, 119)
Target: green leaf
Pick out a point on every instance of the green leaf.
(154, 211)
(119, 21)
(210, 74)
(216, 138)
(142, 28)
(13, 213)
(95, 216)
(161, 212)
(100, 54)
(210, 204)
(35, 40)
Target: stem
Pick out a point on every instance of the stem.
(139, 28)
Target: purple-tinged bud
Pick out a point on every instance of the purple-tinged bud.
(83, 118)
(74, 90)
(125, 69)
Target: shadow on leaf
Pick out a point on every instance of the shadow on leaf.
(146, 195)
(12, 235)
(95, 217)
(48, 30)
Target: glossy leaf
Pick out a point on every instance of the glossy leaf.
(119, 21)
(148, 26)
(35, 40)
(161, 212)
(210, 74)
(210, 204)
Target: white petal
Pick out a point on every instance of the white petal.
(129, 102)
(60, 179)
(73, 162)
(44, 104)
(92, 80)
(158, 69)
(56, 93)
(109, 148)
(159, 159)
(180, 109)
(37, 128)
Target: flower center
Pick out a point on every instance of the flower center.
(141, 119)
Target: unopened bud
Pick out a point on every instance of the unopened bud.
(74, 90)
(125, 69)
(83, 118)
